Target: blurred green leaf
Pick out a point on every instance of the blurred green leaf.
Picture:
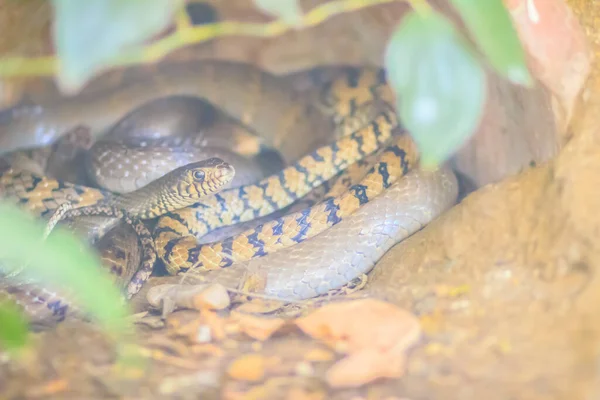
(288, 10)
(60, 262)
(439, 83)
(492, 29)
(13, 327)
(88, 34)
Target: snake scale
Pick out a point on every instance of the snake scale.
(343, 138)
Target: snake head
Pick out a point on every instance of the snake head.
(204, 177)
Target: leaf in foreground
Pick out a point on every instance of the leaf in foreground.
(60, 263)
(13, 327)
(88, 34)
(493, 31)
(439, 83)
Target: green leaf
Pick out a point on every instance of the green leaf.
(288, 10)
(88, 34)
(13, 327)
(493, 31)
(61, 262)
(439, 84)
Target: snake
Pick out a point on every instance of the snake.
(349, 249)
(178, 188)
(358, 135)
(297, 128)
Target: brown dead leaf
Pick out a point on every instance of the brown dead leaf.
(257, 392)
(198, 328)
(172, 346)
(50, 388)
(168, 359)
(302, 394)
(195, 381)
(318, 354)
(362, 324)
(288, 388)
(256, 327)
(214, 297)
(363, 367)
(376, 335)
(250, 367)
(152, 321)
(216, 324)
(197, 297)
(207, 349)
(260, 306)
(181, 319)
(184, 326)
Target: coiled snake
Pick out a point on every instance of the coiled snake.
(361, 153)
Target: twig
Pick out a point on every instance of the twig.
(185, 35)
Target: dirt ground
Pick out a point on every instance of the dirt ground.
(503, 287)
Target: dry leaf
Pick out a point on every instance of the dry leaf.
(195, 381)
(364, 367)
(317, 354)
(376, 335)
(260, 306)
(152, 321)
(214, 297)
(362, 324)
(181, 319)
(302, 394)
(257, 392)
(165, 343)
(198, 328)
(216, 324)
(250, 367)
(207, 349)
(166, 358)
(50, 388)
(184, 326)
(276, 388)
(197, 297)
(256, 327)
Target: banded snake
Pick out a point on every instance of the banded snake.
(351, 121)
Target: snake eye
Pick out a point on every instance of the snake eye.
(199, 175)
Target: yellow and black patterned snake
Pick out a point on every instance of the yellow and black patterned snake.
(343, 138)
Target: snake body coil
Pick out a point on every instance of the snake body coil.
(352, 165)
(351, 248)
